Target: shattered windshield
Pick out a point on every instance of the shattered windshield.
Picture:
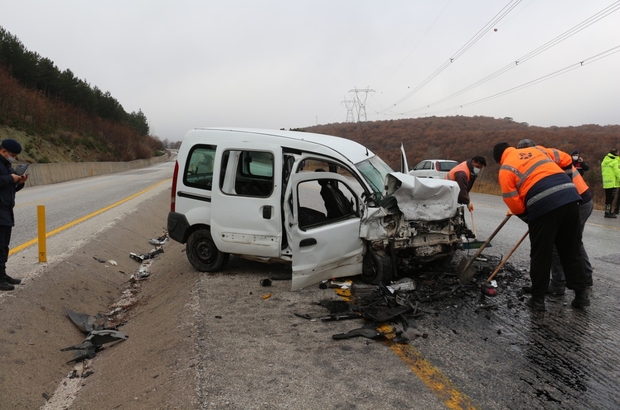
(374, 171)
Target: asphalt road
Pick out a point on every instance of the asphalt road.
(492, 353)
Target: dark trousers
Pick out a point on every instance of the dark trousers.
(557, 273)
(610, 193)
(5, 239)
(559, 227)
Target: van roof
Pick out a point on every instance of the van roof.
(349, 149)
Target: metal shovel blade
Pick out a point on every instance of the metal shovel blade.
(465, 270)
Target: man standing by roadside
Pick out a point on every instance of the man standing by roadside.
(578, 162)
(9, 184)
(610, 168)
(465, 175)
(539, 192)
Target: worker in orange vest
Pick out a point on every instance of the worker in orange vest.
(465, 175)
(539, 192)
(557, 285)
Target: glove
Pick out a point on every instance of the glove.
(470, 207)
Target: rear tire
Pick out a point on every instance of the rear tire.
(202, 252)
(376, 268)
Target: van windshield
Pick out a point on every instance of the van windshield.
(374, 171)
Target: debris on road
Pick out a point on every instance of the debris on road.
(144, 256)
(93, 343)
(403, 302)
(160, 241)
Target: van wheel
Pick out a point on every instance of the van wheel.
(202, 252)
(376, 268)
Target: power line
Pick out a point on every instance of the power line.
(564, 70)
(574, 30)
(502, 13)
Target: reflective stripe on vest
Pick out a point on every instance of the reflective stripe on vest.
(524, 176)
(548, 192)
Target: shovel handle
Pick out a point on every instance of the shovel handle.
(484, 245)
(501, 265)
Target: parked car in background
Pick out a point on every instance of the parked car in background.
(433, 168)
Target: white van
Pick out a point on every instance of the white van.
(327, 205)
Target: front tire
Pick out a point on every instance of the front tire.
(376, 268)
(202, 252)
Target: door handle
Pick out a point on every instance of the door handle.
(267, 212)
(307, 242)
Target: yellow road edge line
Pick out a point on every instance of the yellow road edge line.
(82, 219)
(431, 376)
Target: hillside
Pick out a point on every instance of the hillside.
(58, 117)
(460, 138)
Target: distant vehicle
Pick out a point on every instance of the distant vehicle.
(433, 168)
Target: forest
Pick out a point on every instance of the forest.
(38, 98)
(460, 138)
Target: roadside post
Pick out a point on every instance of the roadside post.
(41, 230)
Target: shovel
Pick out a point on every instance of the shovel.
(464, 270)
(487, 288)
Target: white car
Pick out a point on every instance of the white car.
(433, 168)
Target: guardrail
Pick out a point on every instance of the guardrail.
(52, 173)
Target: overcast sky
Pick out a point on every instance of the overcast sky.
(293, 63)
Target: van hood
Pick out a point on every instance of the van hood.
(423, 199)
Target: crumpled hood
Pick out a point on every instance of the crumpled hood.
(423, 199)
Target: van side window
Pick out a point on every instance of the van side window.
(199, 168)
(247, 173)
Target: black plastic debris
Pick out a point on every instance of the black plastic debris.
(87, 323)
(159, 241)
(145, 256)
(362, 331)
(93, 343)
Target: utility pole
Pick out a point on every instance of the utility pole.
(360, 102)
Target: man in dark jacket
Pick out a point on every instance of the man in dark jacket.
(578, 162)
(10, 183)
(465, 175)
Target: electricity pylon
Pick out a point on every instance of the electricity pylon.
(360, 102)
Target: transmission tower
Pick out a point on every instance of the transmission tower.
(350, 104)
(360, 102)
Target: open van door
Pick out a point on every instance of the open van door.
(323, 215)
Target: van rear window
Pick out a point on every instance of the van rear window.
(199, 168)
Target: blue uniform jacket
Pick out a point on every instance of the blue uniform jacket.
(7, 193)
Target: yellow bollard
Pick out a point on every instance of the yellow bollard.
(41, 229)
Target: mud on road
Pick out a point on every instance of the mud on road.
(224, 341)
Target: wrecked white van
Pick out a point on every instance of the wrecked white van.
(327, 205)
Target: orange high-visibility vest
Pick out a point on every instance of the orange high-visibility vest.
(521, 169)
(462, 167)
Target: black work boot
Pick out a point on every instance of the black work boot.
(4, 285)
(536, 303)
(11, 280)
(581, 300)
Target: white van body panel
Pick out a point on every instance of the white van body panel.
(247, 224)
